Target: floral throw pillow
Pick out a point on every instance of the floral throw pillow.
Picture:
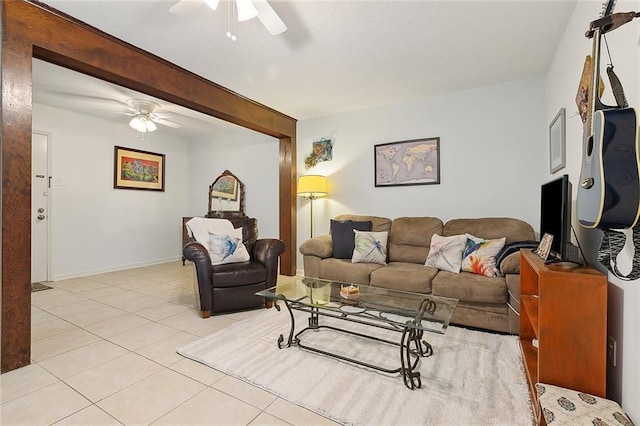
(227, 248)
(370, 247)
(445, 253)
(479, 256)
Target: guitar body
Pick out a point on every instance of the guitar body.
(609, 190)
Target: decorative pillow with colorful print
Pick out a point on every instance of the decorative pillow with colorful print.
(479, 256)
(370, 247)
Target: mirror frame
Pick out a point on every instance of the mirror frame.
(239, 196)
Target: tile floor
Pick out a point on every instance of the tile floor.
(103, 353)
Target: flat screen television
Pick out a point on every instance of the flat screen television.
(555, 218)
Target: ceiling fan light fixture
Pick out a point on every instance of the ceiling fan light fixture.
(142, 124)
(213, 4)
(246, 10)
(151, 126)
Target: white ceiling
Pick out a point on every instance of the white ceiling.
(336, 55)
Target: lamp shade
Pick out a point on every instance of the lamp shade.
(312, 186)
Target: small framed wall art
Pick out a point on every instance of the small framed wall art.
(412, 162)
(135, 169)
(557, 143)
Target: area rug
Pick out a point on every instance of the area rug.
(473, 377)
(39, 287)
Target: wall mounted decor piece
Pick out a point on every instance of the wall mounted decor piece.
(557, 144)
(226, 197)
(412, 162)
(322, 151)
(135, 169)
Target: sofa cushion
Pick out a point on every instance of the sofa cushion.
(410, 237)
(445, 253)
(344, 271)
(235, 274)
(342, 236)
(378, 224)
(470, 287)
(491, 228)
(479, 256)
(404, 276)
(370, 247)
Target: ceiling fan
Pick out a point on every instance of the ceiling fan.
(247, 9)
(145, 115)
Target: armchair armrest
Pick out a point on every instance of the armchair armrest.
(267, 251)
(198, 254)
(318, 246)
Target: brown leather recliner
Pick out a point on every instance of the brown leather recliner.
(232, 287)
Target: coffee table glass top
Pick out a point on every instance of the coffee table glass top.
(369, 304)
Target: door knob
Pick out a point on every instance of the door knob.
(41, 217)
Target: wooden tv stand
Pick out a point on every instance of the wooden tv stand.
(563, 326)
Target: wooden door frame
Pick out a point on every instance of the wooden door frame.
(33, 30)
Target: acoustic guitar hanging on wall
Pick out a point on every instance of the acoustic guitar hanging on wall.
(609, 190)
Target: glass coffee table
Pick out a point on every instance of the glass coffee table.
(409, 314)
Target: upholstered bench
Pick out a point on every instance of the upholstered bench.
(561, 406)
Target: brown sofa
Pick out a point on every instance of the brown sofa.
(486, 302)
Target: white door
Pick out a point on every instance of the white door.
(39, 207)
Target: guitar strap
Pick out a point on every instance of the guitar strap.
(612, 244)
(616, 87)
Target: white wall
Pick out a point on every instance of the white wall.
(253, 158)
(94, 227)
(492, 156)
(562, 82)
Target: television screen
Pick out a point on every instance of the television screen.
(555, 214)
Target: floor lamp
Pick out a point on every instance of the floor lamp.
(312, 187)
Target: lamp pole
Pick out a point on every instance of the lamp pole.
(311, 198)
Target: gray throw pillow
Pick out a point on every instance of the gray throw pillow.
(342, 236)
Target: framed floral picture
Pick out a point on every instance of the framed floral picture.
(136, 169)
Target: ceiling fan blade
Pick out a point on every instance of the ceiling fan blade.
(165, 114)
(166, 122)
(185, 7)
(129, 113)
(269, 17)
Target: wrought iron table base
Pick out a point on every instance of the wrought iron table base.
(409, 357)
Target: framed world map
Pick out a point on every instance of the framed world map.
(412, 162)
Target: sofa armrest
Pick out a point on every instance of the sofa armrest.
(317, 246)
(510, 264)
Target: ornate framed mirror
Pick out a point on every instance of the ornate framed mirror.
(226, 197)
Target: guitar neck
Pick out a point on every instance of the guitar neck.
(597, 86)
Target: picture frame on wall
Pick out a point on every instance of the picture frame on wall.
(136, 169)
(557, 142)
(411, 162)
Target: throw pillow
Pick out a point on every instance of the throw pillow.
(342, 237)
(370, 247)
(479, 256)
(445, 253)
(227, 248)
